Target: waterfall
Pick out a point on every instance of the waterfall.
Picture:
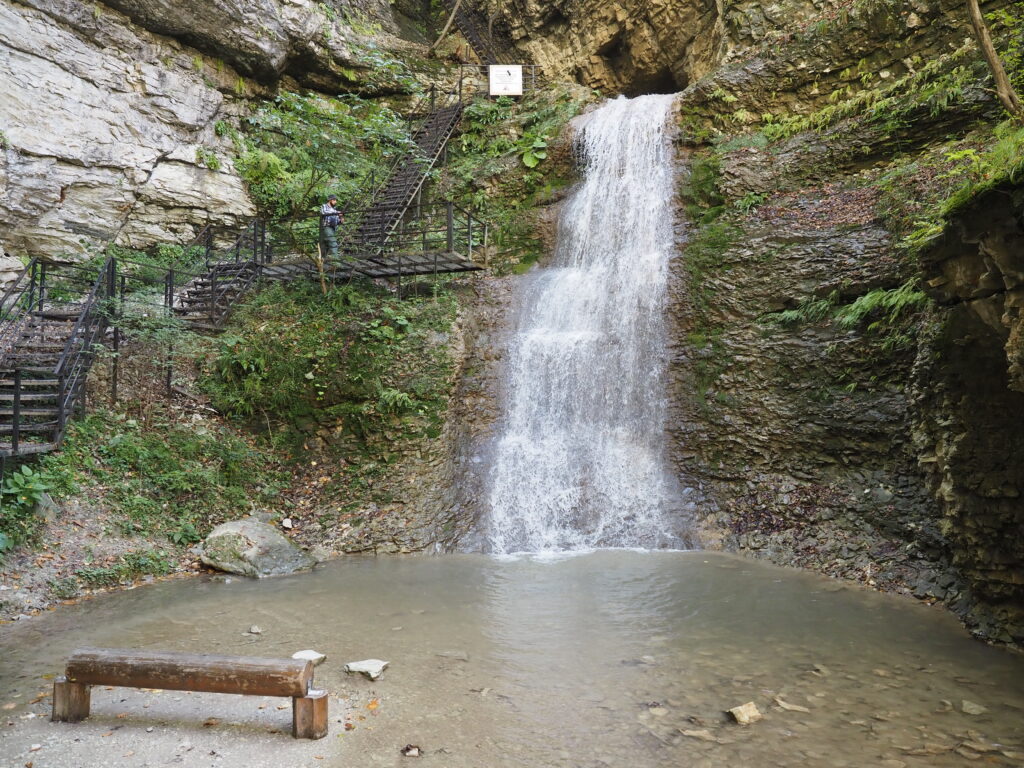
(578, 462)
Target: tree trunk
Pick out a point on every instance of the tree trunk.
(1004, 88)
(447, 26)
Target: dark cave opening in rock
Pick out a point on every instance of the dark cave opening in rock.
(555, 20)
(662, 81)
(631, 80)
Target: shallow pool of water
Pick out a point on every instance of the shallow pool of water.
(612, 658)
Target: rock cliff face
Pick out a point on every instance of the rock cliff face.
(885, 460)
(622, 47)
(111, 112)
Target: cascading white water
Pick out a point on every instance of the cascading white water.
(579, 461)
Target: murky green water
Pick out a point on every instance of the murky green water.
(596, 660)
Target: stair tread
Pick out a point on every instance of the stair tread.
(29, 427)
(6, 449)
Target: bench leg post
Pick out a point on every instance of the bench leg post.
(309, 715)
(70, 701)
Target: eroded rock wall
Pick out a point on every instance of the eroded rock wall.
(797, 437)
(880, 450)
(110, 112)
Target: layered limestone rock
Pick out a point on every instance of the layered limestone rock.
(629, 46)
(971, 397)
(110, 119)
(622, 47)
(797, 437)
(887, 461)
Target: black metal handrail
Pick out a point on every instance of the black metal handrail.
(76, 358)
(15, 314)
(430, 104)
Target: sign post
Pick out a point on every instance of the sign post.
(505, 79)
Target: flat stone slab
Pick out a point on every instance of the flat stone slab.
(372, 668)
(315, 656)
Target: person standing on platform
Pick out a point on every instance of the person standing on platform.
(330, 220)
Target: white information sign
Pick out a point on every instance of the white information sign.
(506, 79)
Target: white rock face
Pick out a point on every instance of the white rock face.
(103, 109)
(92, 115)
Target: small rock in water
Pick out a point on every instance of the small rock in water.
(980, 746)
(790, 707)
(255, 630)
(745, 714)
(315, 656)
(702, 734)
(970, 708)
(372, 668)
(456, 655)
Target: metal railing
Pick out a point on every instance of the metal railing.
(475, 28)
(442, 228)
(80, 349)
(40, 352)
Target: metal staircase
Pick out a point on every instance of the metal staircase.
(55, 317)
(389, 203)
(233, 263)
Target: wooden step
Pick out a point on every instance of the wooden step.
(8, 383)
(36, 428)
(25, 449)
(30, 412)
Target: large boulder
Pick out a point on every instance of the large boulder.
(252, 548)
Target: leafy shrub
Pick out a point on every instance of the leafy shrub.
(357, 357)
(21, 491)
(299, 147)
(165, 478)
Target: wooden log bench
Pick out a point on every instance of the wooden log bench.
(191, 672)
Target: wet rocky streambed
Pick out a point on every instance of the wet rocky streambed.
(605, 659)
